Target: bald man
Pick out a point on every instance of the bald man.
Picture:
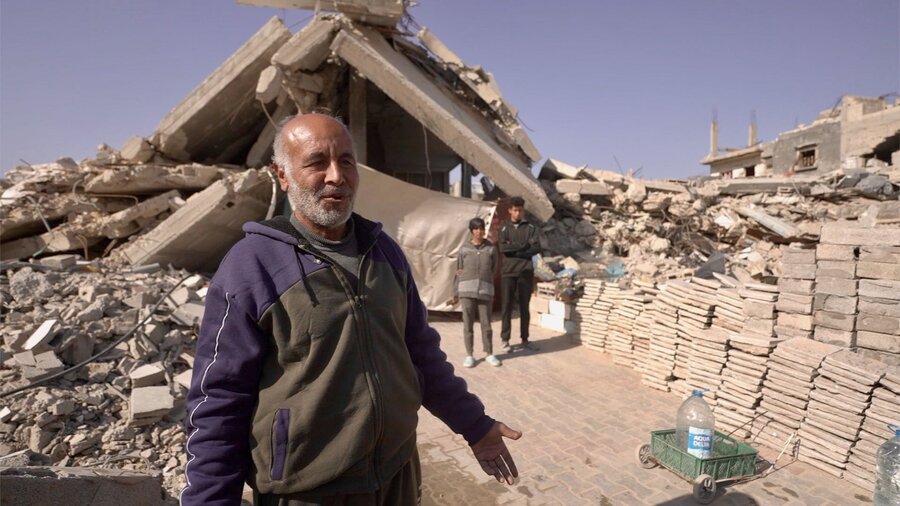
(315, 355)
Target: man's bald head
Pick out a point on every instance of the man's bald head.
(293, 130)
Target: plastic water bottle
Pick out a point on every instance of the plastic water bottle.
(887, 471)
(695, 426)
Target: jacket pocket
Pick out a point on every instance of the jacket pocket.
(280, 442)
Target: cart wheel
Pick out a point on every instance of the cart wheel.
(704, 489)
(644, 458)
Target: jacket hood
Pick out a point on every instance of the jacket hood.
(280, 228)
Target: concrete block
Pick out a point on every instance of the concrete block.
(539, 305)
(836, 337)
(798, 256)
(885, 255)
(834, 320)
(561, 309)
(784, 332)
(140, 300)
(306, 49)
(184, 378)
(762, 326)
(59, 262)
(879, 323)
(568, 186)
(878, 270)
(880, 289)
(80, 442)
(885, 307)
(198, 235)
(836, 286)
(835, 303)
(5, 414)
(95, 486)
(835, 269)
(878, 341)
(268, 87)
(214, 119)
(797, 321)
(148, 375)
(62, 407)
(799, 271)
(796, 286)
(149, 404)
(189, 314)
(557, 323)
(594, 189)
(842, 232)
(835, 252)
(759, 309)
(792, 303)
(137, 149)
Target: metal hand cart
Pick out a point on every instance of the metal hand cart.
(730, 461)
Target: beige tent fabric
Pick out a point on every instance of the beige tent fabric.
(429, 226)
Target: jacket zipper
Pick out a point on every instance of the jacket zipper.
(359, 311)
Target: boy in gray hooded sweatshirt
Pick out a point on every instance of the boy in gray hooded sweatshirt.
(475, 288)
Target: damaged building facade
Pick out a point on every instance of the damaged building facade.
(856, 133)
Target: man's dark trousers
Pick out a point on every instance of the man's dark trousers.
(516, 290)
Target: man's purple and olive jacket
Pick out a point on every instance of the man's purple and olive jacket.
(305, 384)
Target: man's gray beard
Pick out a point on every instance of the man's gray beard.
(307, 203)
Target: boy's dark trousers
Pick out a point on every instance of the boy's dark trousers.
(516, 290)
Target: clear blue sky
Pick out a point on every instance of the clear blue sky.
(594, 80)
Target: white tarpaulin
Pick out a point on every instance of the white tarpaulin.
(430, 227)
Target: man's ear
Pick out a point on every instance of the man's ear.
(281, 175)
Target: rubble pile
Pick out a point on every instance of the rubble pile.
(134, 213)
(124, 408)
(667, 229)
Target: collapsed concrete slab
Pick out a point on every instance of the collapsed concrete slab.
(468, 135)
(216, 122)
(199, 234)
(142, 179)
(75, 486)
(306, 49)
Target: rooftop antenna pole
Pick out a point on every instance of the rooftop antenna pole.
(714, 134)
(752, 139)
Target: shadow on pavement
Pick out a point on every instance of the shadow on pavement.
(550, 345)
(723, 498)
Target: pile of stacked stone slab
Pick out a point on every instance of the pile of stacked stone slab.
(124, 406)
(627, 306)
(641, 330)
(695, 309)
(841, 394)
(745, 368)
(884, 409)
(591, 326)
(796, 289)
(793, 367)
(660, 363)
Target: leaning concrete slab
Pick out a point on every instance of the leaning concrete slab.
(306, 49)
(414, 91)
(75, 486)
(212, 123)
(198, 235)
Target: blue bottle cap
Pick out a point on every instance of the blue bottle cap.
(699, 392)
(895, 428)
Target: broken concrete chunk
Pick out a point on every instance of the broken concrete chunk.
(147, 375)
(137, 149)
(189, 314)
(184, 378)
(149, 404)
(41, 336)
(59, 262)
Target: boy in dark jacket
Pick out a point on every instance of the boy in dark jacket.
(518, 243)
(315, 354)
(475, 288)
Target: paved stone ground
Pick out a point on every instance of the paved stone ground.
(583, 418)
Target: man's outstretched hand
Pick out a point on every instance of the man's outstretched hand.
(493, 455)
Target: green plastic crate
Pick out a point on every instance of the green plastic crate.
(731, 459)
